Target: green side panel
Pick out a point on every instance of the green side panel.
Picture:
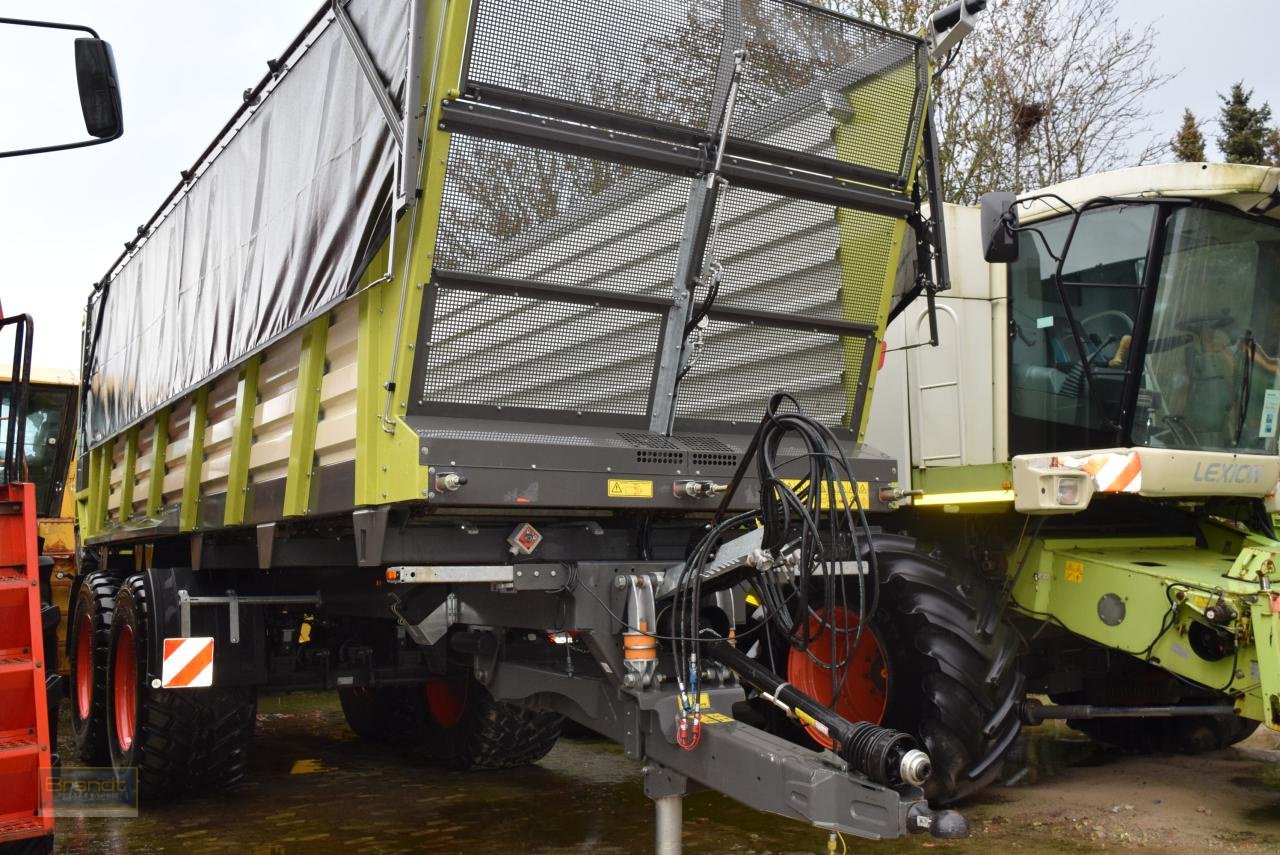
(159, 447)
(881, 110)
(99, 485)
(189, 514)
(241, 442)
(127, 473)
(388, 463)
(306, 414)
(977, 478)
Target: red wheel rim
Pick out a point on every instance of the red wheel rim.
(865, 692)
(125, 687)
(84, 668)
(446, 701)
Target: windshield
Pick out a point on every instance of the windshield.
(43, 461)
(1051, 338)
(1210, 378)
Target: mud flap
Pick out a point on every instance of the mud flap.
(243, 663)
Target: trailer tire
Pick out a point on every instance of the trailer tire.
(88, 649)
(390, 715)
(156, 731)
(953, 663)
(468, 729)
(230, 714)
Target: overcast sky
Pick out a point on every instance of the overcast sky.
(65, 216)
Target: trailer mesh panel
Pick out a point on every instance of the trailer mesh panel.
(507, 351)
(526, 220)
(741, 365)
(530, 214)
(653, 60)
(830, 86)
(802, 258)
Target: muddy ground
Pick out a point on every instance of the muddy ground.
(314, 788)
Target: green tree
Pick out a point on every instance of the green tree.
(1188, 144)
(1273, 146)
(1243, 126)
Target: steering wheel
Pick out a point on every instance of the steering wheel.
(1108, 329)
(1109, 325)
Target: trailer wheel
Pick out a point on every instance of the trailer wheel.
(468, 729)
(229, 716)
(392, 715)
(88, 648)
(156, 731)
(927, 668)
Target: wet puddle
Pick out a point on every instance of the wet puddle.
(314, 788)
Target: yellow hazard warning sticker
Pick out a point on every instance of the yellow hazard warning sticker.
(842, 489)
(715, 718)
(621, 488)
(1073, 571)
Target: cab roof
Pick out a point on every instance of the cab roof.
(1251, 189)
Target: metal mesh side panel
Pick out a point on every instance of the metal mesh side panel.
(511, 351)
(523, 213)
(803, 258)
(742, 365)
(658, 59)
(830, 86)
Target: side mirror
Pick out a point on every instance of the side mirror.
(97, 85)
(999, 223)
(99, 89)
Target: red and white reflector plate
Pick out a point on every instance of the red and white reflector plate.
(188, 663)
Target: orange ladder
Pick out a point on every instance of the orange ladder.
(26, 801)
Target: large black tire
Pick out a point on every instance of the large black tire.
(953, 678)
(181, 738)
(88, 645)
(230, 713)
(482, 733)
(390, 715)
(1129, 682)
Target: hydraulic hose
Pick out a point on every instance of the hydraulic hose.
(884, 755)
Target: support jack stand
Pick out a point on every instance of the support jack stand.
(667, 789)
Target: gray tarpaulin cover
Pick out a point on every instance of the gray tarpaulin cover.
(274, 229)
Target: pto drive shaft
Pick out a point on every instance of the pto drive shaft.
(886, 756)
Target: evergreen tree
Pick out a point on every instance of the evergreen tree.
(1188, 143)
(1273, 147)
(1244, 127)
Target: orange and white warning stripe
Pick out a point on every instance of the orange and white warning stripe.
(188, 663)
(1112, 471)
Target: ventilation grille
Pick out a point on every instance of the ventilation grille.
(706, 458)
(676, 457)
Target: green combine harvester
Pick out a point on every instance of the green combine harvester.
(1094, 439)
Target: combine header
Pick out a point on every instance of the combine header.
(446, 379)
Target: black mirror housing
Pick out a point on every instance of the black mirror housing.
(999, 224)
(99, 89)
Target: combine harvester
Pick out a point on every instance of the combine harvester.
(1095, 440)
(439, 381)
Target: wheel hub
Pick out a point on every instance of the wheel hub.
(125, 687)
(863, 694)
(84, 668)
